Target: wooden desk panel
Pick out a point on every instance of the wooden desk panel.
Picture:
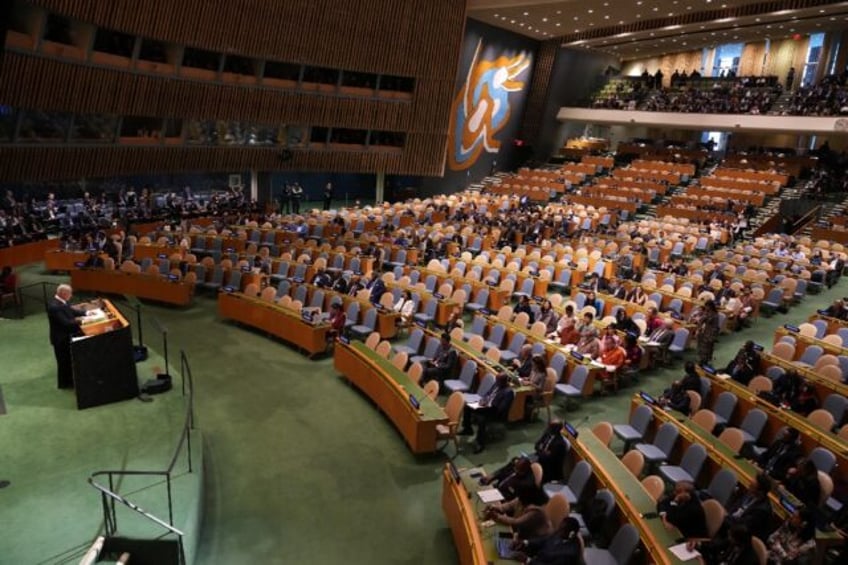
(389, 388)
(811, 436)
(720, 456)
(280, 322)
(56, 260)
(462, 519)
(630, 496)
(27, 253)
(140, 285)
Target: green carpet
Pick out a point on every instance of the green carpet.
(300, 467)
(50, 448)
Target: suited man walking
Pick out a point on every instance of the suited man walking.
(63, 326)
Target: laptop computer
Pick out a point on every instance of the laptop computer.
(504, 545)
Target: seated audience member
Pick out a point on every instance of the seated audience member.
(753, 510)
(494, 407)
(746, 365)
(803, 481)
(377, 287)
(637, 295)
(682, 509)
(746, 307)
(676, 397)
(616, 289)
(562, 547)
(612, 357)
(322, 279)
(653, 321)
(632, 355)
(523, 364)
(625, 323)
(355, 285)
(516, 481)
(569, 334)
(589, 344)
(837, 310)
(340, 285)
(405, 306)
(593, 301)
(805, 401)
(551, 450)
(794, 541)
(337, 321)
(609, 339)
(785, 388)
(549, 317)
(526, 522)
(734, 549)
(658, 341)
(8, 281)
(538, 372)
(524, 306)
(783, 454)
(444, 363)
(567, 315)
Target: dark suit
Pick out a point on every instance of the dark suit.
(63, 326)
(551, 450)
(493, 407)
(377, 288)
(444, 364)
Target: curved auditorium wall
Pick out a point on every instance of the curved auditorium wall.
(322, 65)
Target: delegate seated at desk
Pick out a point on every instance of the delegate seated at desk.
(493, 407)
(516, 481)
(783, 454)
(682, 509)
(444, 363)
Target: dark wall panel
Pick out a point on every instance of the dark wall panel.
(577, 73)
(60, 163)
(473, 151)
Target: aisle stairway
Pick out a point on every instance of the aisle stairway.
(781, 104)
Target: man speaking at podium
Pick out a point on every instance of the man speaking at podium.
(63, 326)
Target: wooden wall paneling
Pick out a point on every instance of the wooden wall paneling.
(56, 163)
(542, 70)
(31, 81)
(294, 30)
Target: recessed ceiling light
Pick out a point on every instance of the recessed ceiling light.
(544, 19)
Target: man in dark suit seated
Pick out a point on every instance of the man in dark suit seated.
(515, 480)
(494, 407)
(63, 326)
(682, 509)
(444, 363)
(322, 279)
(377, 288)
(551, 450)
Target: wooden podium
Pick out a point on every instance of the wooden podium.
(103, 362)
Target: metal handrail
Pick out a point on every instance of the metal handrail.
(108, 495)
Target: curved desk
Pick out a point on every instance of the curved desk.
(390, 389)
(278, 321)
(140, 285)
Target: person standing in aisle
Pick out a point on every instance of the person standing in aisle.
(328, 196)
(297, 196)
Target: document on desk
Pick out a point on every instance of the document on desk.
(490, 495)
(471, 398)
(683, 553)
